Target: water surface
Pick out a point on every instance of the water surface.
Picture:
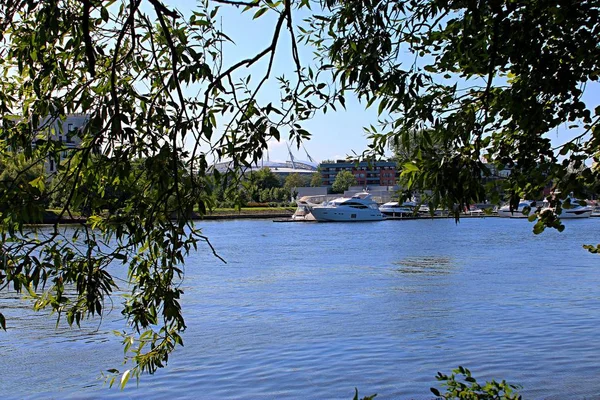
(312, 310)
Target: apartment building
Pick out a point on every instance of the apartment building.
(66, 132)
(374, 173)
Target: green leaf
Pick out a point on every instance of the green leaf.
(409, 167)
(275, 133)
(39, 183)
(104, 14)
(382, 105)
(125, 378)
(260, 12)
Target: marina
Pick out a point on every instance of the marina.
(360, 206)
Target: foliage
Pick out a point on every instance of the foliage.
(274, 195)
(264, 178)
(292, 182)
(592, 248)
(24, 185)
(14, 170)
(261, 186)
(316, 180)
(485, 83)
(364, 398)
(155, 87)
(343, 180)
(461, 385)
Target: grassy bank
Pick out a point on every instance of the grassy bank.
(52, 215)
(250, 212)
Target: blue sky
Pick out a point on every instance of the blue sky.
(335, 134)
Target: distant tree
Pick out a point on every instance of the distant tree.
(280, 195)
(343, 180)
(265, 195)
(316, 180)
(264, 178)
(292, 182)
(251, 191)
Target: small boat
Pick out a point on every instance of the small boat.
(575, 209)
(395, 209)
(360, 207)
(303, 211)
(474, 210)
(406, 209)
(506, 212)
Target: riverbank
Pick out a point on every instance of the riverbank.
(52, 217)
(249, 213)
(277, 214)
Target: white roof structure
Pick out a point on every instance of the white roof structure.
(277, 167)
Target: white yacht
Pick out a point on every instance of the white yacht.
(360, 207)
(576, 210)
(505, 211)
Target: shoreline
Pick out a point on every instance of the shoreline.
(51, 218)
(276, 216)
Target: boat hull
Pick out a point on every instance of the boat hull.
(513, 214)
(398, 212)
(338, 214)
(506, 212)
(575, 213)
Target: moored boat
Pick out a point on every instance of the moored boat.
(303, 211)
(523, 210)
(573, 209)
(395, 209)
(360, 207)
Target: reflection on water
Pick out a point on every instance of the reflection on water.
(425, 265)
(315, 310)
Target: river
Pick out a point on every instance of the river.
(313, 310)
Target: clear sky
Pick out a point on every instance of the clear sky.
(335, 134)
